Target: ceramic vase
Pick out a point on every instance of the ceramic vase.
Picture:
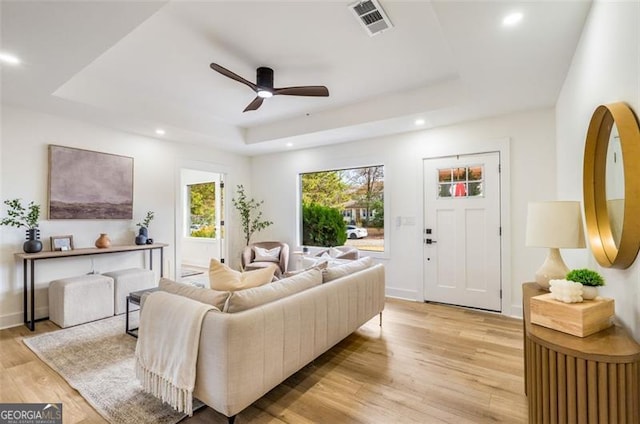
(589, 292)
(142, 236)
(33, 243)
(103, 241)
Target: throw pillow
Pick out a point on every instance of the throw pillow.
(319, 266)
(223, 278)
(334, 253)
(208, 296)
(336, 272)
(242, 300)
(266, 255)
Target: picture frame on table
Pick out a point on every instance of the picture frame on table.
(61, 243)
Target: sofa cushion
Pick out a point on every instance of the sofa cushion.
(266, 255)
(223, 278)
(204, 295)
(242, 300)
(338, 271)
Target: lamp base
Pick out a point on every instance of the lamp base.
(553, 268)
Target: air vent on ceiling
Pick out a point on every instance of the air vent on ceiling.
(371, 16)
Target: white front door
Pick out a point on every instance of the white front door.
(462, 256)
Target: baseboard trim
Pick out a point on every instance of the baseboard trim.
(15, 319)
(516, 311)
(401, 293)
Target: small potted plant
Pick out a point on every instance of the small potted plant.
(589, 279)
(27, 217)
(143, 232)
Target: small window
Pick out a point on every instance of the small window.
(202, 210)
(344, 206)
(461, 182)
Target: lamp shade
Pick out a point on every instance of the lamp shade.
(556, 224)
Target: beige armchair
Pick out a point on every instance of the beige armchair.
(249, 261)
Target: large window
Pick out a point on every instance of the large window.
(343, 207)
(202, 210)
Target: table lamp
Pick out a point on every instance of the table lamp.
(556, 224)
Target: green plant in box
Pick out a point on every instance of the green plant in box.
(586, 277)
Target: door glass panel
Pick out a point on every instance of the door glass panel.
(444, 175)
(475, 189)
(460, 174)
(444, 190)
(461, 181)
(475, 173)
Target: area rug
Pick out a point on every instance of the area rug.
(97, 359)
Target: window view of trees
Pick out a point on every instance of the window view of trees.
(202, 208)
(344, 207)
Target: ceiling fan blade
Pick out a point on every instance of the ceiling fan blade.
(307, 90)
(255, 104)
(229, 74)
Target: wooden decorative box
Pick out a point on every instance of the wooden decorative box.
(578, 319)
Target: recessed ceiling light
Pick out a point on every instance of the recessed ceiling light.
(419, 122)
(160, 131)
(9, 59)
(289, 144)
(512, 19)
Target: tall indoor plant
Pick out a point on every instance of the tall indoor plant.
(246, 208)
(20, 216)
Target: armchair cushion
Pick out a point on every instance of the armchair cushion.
(266, 255)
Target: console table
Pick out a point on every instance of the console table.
(570, 379)
(29, 261)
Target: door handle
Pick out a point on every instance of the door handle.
(429, 241)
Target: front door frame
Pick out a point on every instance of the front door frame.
(216, 168)
(502, 147)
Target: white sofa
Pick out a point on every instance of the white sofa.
(245, 354)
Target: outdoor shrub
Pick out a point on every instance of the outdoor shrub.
(322, 226)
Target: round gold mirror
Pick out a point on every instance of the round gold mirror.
(611, 185)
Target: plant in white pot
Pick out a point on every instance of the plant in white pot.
(27, 217)
(589, 279)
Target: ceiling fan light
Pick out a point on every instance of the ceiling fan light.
(265, 94)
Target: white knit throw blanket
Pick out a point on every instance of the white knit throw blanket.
(167, 348)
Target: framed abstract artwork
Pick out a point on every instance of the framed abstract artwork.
(89, 185)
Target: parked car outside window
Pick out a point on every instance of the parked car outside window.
(354, 232)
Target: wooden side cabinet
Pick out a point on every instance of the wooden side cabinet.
(569, 379)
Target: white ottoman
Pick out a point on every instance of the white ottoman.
(77, 300)
(127, 281)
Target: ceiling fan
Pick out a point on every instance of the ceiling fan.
(264, 86)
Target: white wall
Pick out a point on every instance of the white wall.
(25, 137)
(532, 171)
(605, 69)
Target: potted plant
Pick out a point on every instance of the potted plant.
(20, 216)
(589, 279)
(143, 232)
(247, 207)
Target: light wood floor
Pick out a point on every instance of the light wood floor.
(427, 364)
